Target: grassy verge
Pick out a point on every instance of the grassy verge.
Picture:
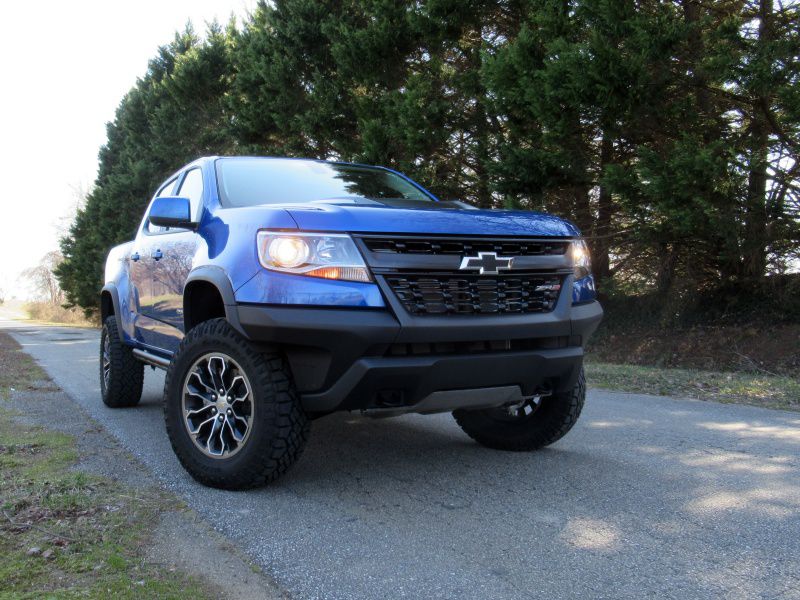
(744, 388)
(64, 533)
(18, 371)
(46, 312)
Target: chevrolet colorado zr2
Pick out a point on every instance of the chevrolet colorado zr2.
(275, 291)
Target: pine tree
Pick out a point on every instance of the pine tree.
(668, 131)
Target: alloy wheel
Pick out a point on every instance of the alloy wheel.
(520, 411)
(106, 359)
(217, 405)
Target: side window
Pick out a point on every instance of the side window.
(166, 190)
(192, 188)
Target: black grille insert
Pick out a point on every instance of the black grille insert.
(466, 246)
(480, 346)
(444, 294)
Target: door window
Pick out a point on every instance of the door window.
(192, 188)
(166, 190)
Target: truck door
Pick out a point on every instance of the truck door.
(141, 274)
(172, 253)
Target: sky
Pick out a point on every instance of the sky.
(64, 67)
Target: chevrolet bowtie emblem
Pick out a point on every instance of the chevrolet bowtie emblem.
(487, 263)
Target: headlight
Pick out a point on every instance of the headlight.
(326, 255)
(581, 262)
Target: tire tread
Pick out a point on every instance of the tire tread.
(127, 373)
(562, 414)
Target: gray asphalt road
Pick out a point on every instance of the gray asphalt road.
(646, 497)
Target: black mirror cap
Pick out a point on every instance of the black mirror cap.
(171, 211)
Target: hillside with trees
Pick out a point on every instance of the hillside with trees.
(668, 131)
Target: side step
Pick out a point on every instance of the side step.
(151, 359)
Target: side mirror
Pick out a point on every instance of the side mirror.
(171, 211)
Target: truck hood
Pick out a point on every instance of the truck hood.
(434, 218)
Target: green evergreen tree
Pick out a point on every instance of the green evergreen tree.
(174, 114)
(668, 131)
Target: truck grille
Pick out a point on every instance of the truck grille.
(466, 246)
(448, 294)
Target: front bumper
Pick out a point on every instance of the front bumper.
(363, 359)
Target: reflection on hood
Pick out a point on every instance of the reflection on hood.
(378, 215)
(397, 203)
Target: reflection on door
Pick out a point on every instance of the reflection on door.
(159, 276)
(169, 275)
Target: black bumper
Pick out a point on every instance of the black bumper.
(347, 359)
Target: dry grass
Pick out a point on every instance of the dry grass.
(64, 533)
(757, 389)
(753, 348)
(55, 313)
(18, 371)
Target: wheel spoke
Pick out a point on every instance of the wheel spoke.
(236, 380)
(217, 378)
(193, 413)
(519, 411)
(194, 394)
(214, 431)
(234, 432)
(198, 376)
(195, 432)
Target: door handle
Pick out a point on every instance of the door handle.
(135, 257)
(157, 255)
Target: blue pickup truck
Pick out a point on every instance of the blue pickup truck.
(275, 291)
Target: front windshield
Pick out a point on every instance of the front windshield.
(256, 181)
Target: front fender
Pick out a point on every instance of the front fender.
(219, 279)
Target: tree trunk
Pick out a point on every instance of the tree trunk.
(579, 197)
(601, 264)
(754, 247)
(668, 259)
(728, 244)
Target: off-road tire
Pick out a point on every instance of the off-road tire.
(551, 421)
(126, 374)
(280, 428)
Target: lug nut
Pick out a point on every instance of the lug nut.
(221, 418)
(229, 411)
(213, 410)
(213, 396)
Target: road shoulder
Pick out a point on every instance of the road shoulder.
(81, 514)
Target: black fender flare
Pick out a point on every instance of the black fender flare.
(111, 290)
(217, 277)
